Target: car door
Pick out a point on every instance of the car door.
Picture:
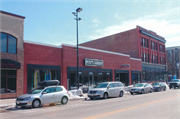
(111, 90)
(48, 95)
(146, 88)
(59, 94)
(116, 89)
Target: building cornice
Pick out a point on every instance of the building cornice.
(152, 36)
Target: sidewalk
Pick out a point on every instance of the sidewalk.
(7, 103)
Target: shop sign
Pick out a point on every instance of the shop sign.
(93, 62)
(6, 63)
(125, 65)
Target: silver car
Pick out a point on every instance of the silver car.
(107, 89)
(41, 96)
(141, 88)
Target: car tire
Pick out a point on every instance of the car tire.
(164, 89)
(36, 103)
(151, 90)
(64, 100)
(131, 93)
(105, 96)
(91, 98)
(142, 91)
(121, 94)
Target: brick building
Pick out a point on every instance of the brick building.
(60, 62)
(12, 54)
(173, 60)
(138, 43)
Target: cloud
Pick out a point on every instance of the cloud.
(169, 29)
(96, 22)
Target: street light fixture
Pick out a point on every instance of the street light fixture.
(77, 19)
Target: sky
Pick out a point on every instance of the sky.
(52, 21)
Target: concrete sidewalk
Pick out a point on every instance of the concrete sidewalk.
(8, 103)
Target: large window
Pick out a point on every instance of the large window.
(8, 81)
(8, 43)
(42, 75)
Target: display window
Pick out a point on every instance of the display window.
(42, 75)
(8, 81)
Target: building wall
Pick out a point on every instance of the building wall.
(14, 25)
(40, 54)
(173, 60)
(124, 42)
(111, 61)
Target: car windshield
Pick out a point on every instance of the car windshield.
(155, 84)
(138, 85)
(37, 90)
(175, 81)
(102, 85)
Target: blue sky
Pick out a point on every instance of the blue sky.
(52, 21)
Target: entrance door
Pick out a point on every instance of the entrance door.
(117, 76)
(91, 80)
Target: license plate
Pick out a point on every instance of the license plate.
(17, 102)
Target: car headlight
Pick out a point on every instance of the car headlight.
(27, 98)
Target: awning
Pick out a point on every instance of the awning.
(7, 63)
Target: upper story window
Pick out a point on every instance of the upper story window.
(8, 43)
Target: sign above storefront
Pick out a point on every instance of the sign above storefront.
(93, 62)
(125, 65)
(7, 63)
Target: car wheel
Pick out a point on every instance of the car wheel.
(36, 103)
(131, 93)
(164, 89)
(91, 98)
(142, 91)
(121, 94)
(151, 90)
(64, 100)
(105, 96)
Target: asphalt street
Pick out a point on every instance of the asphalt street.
(156, 105)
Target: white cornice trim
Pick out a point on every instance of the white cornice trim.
(135, 59)
(38, 43)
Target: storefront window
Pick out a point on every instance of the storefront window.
(144, 74)
(42, 75)
(88, 79)
(8, 81)
(156, 74)
(148, 74)
(152, 75)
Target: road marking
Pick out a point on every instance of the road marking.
(128, 108)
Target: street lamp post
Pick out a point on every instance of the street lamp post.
(77, 19)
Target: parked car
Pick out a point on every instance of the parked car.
(141, 88)
(159, 86)
(107, 89)
(44, 95)
(175, 83)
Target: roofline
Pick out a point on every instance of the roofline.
(104, 51)
(12, 14)
(45, 44)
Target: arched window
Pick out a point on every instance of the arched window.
(8, 43)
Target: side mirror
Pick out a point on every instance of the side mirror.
(44, 93)
(108, 87)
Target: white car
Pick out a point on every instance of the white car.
(107, 89)
(44, 95)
